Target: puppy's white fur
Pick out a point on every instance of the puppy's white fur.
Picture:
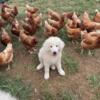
(50, 56)
(6, 96)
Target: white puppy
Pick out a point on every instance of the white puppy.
(6, 96)
(50, 56)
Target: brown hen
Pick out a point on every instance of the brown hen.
(50, 30)
(6, 56)
(5, 38)
(28, 41)
(88, 24)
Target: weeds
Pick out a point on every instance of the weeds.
(15, 86)
(70, 63)
(94, 81)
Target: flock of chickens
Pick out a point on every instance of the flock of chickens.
(85, 29)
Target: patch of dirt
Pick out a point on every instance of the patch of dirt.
(76, 82)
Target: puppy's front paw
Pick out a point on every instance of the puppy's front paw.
(39, 67)
(62, 73)
(46, 76)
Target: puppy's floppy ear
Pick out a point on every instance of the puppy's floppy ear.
(45, 43)
(62, 44)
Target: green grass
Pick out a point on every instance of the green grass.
(94, 81)
(65, 5)
(63, 35)
(15, 86)
(70, 63)
(66, 95)
(47, 96)
(97, 96)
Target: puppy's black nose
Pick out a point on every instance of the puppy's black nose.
(54, 53)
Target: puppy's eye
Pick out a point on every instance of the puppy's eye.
(56, 45)
(50, 46)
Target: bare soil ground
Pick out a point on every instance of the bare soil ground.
(77, 82)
